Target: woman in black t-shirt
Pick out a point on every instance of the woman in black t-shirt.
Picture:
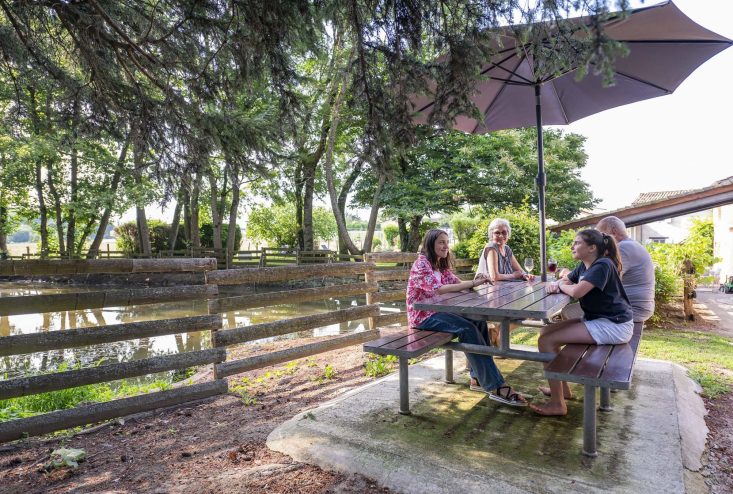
(608, 319)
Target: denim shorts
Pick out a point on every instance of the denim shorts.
(605, 332)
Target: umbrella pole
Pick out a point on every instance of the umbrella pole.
(541, 181)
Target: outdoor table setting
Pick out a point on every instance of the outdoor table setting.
(504, 302)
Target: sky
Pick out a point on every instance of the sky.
(675, 142)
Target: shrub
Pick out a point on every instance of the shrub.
(127, 237)
(391, 232)
(207, 236)
(464, 226)
(524, 240)
(460, 250)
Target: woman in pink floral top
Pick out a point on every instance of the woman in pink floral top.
(431, 275)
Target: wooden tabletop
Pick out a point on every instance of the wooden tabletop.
(503, 300)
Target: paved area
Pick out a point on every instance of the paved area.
(716, 306)
(460, 441)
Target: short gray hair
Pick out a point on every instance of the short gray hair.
(497, 222)
(611, 222)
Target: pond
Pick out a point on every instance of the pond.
(50, 361)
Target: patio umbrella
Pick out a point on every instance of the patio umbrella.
(665, 46)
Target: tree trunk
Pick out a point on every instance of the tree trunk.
(3, 229)
(688, 290)
(74, 180)
(232, 228)
(85, 232)
(299, 204)
(343, 195)
(175, 223)
(339, 91)
(215, 216)
(142, 222)
(372, 225)
(414, 238)
(309, 172)
(403, 235)
(57, 209)
(186, 198)
(195, 193)
(93, 251)
(42, 211)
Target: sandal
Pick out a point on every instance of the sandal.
(504, 394)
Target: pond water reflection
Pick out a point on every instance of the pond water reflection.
(21, 365)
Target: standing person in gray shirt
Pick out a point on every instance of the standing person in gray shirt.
(637, 275)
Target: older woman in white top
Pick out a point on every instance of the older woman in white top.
(497, 259)
(498, 263)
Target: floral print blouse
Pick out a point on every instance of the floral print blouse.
(423, 283)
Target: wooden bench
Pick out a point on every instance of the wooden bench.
(596, 366)
(407, 344)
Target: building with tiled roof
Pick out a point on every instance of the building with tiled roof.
(646, 197)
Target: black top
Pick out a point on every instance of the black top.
(607, 298)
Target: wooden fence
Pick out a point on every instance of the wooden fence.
(350, 275)
(75, 338)
(264, 257)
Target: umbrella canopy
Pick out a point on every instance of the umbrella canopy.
(665, 46)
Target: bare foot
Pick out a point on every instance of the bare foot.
(545, 390)
(550, 409)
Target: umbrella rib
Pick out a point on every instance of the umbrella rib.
(677, 41)
(512, 72)
(493, 101)
(648, 83)
(562, 105)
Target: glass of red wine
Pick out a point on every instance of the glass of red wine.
(552, 266)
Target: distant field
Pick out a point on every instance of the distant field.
(20, 248)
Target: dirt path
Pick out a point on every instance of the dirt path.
(219, 445)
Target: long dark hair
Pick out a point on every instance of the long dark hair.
(428, 250)
(605, 245)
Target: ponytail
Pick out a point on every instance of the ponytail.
(605, 245)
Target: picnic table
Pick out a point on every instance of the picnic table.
(594, 366)
(503, 302)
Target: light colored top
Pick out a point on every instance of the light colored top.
(422, 285)
(637, 278)
(504, 261)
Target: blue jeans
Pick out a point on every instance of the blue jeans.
(483, 367)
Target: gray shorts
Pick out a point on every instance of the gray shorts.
(605, 332)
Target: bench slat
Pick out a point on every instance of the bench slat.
(410, 344)
(593, 362)
(417, 348)
(621, 363)
(384, 340)
(567, 359)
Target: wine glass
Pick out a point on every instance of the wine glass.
(552, 266)
(529, 264)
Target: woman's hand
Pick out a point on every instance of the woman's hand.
(553, 287)
(481, 279)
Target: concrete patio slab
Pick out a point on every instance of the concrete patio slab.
(458, 440)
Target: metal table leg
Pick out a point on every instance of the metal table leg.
(589, 421)
(404, 387)
(449, 366)
(505, 334)
(605, 400)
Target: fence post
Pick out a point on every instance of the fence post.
(369, 278)
(263, 258)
